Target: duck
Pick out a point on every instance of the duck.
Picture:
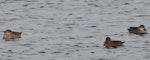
(138, 30)
(11, 35)
(108, 43)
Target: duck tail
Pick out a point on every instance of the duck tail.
(129, 30)
(123, 42)
(20, 32)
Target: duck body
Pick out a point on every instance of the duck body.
(108, 43)
(138, 30)
(11, 35)
(113, 44)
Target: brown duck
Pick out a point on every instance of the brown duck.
(10, 35)
(108, 43)
(138, 30)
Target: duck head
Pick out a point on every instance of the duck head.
(142, 26)
(108, 39)
(7, 31)
(142, 29)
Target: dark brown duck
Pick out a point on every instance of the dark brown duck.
(108, 43)
(138, 30)
(10, 35)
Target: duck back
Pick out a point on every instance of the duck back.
(133, 29)
(117, 43)
(16, 35)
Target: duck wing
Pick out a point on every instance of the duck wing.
(117, 43)
(16, 32)
(134, 28)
